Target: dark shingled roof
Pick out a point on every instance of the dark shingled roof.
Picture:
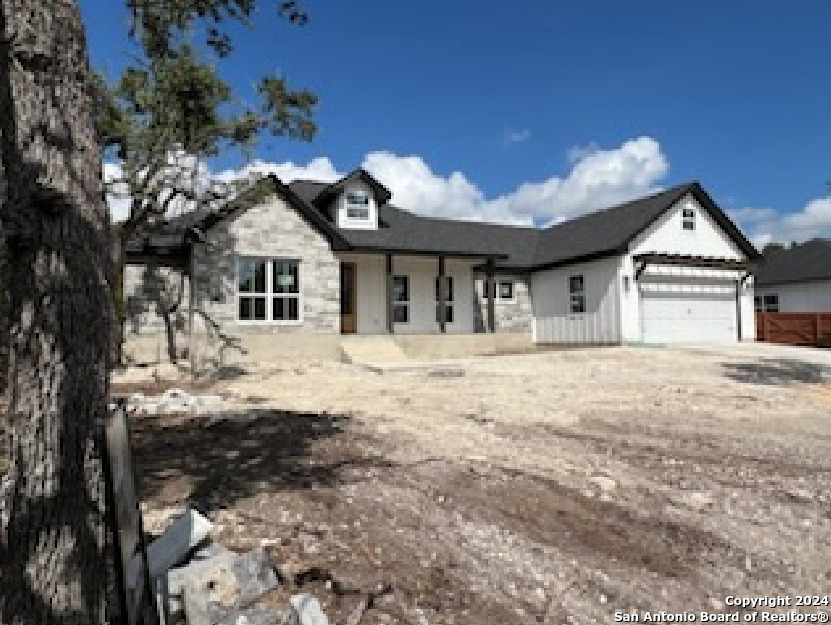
(594, 235)
(802, 263)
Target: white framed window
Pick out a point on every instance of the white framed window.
(688, 219)
(577, 294)
(770, 303)
(448, 299)
(506, 290)
(357, 205)
(268, 290)
(401, 299)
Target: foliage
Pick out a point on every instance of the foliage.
(171, 108)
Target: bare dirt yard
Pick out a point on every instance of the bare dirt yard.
(553, 487)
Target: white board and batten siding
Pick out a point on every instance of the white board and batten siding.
(553, 320)
(667, 304)
(682, 304)
(804, 297)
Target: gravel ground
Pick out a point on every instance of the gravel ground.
(556, 487)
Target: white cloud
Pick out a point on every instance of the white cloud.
(766, 225)
(320, 168)
(516, 136)
(596, 178)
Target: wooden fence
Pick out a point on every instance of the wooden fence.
(812, 329)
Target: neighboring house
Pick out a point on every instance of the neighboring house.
(796, 279)
(319, 260)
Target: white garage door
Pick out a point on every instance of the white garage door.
(677, 315)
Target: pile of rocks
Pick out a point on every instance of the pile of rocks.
(203, 583)
(174, 400)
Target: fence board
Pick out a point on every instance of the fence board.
(809, 329)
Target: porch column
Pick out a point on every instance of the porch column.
(389, 293)
(442, 298)
(490, 290)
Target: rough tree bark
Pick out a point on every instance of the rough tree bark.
(55, 551)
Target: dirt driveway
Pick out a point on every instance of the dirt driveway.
(555, 487)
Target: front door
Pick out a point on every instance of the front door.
(348, 316)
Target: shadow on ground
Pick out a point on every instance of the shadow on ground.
(777, 372)
(211, 464)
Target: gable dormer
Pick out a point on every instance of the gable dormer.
(356, 207)
(352, 202)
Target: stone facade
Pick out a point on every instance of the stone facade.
(272, 230)
(514, 315)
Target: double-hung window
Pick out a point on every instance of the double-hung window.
(577, 294)
(401, 299)
(448, 299)
(268, 289)
(357, 206)
(688, 219)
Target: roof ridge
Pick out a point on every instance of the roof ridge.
(672, 190)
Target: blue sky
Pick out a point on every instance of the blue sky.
(540, 110)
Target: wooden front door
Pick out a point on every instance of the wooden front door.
(348, 313)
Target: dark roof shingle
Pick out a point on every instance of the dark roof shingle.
(801, 263)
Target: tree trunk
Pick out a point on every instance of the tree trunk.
(56, 562)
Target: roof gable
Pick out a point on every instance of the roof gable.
(612, 230)
(380, 192)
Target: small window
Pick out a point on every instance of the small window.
(771, 303)
(688, 219)
(268, 290)
(448, 299)
(757, 303)
(357, 206)
(506, 290)
(401, 299)
(577, 294)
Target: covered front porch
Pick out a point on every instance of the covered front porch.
(406, 293)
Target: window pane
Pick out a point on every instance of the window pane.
(578, 304)
(506, 290)
(259, 309)
(286, 309)
(401, 313)
(357, 199)
(361, 214)
(245, 308)
(575, 284)
(401, 288)
(448, 314)
(247, 270)
(285, 276)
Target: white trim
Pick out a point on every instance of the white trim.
(268, 294)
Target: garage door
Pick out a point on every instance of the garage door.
(675, 315)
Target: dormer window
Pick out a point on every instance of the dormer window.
(688, 219)
(357, 206)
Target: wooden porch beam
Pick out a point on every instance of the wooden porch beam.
(490, 289)
(442, 298)
(389, 293)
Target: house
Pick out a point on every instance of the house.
(796, 280)
(293, 267)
